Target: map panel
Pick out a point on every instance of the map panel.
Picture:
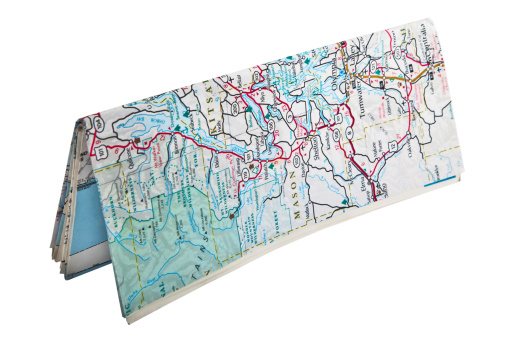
(194, 179)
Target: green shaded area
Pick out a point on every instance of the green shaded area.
(174, 248)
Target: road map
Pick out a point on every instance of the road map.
(195, 179)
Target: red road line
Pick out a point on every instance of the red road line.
(374, 195)
(94, 136)
(391, 42)
(352, 146)
(290, 155)
(298, 148)
(340, 145)
(350, 114)
(419, 62)
(367, 177)
(182, 135)
(406, 54)
(359, 167)
(254, 178)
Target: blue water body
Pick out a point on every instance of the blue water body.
(160, 121)
(260, 85)
(256, 110)
(89, 225)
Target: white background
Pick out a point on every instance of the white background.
(432, 266)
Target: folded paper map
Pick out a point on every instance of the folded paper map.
(180, 188)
